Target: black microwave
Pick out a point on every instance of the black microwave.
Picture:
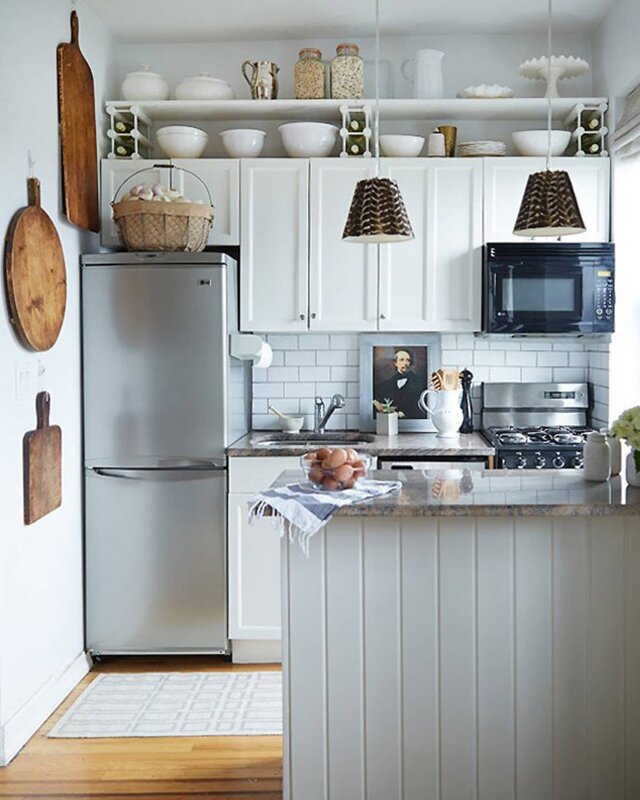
(549, 288)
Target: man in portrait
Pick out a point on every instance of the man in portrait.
(403, 388)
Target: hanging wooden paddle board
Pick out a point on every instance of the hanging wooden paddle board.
(42, 464)
(77, 111)
(35, 274)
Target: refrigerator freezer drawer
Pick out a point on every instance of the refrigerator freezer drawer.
(155, 560)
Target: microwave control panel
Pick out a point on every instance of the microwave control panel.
(604, 298)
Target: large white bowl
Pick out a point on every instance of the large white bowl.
(243, 142)
(534, 143)
(308, 139)
(401, 145)
(203, 87)
(181, 141)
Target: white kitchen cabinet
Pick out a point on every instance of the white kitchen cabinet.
(221, 176)
(343, 276)
(274, 263)
(504, 184)
(434, 282)
(253, 551)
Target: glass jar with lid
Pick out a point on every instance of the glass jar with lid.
(347, 73)
(309, 75)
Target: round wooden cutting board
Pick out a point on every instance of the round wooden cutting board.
(35, 274)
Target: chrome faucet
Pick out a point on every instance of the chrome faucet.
(320, 418)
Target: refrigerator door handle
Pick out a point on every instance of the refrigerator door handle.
(170, 474)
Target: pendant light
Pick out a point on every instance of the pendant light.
(549, 206)
(377, 214)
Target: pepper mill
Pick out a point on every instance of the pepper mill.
(467, 408)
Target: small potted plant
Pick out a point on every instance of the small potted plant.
(387, 417)
(627, 427)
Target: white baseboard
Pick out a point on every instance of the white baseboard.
(17, 731)
(256, 651)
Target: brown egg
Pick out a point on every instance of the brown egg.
(343, 473)
(349, 484)
(352, 455)
(310, 457)
(330, 484)
(322, 453)
(316, 475)
(337, 458)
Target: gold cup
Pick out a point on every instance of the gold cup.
(450, 133)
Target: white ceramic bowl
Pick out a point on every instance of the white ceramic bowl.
(534, 143)
(180, 141)
(401, 145)
(243, 142)
(308, 139)
(203, 87)
(291, 424)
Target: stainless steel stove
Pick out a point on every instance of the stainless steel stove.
(536, 425)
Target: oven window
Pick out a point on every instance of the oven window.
(539, 294)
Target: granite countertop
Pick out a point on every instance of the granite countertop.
(493, 493)
(404, 444)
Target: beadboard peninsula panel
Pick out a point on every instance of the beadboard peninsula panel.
(450, 659)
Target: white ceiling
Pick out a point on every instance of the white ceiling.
(223, 20)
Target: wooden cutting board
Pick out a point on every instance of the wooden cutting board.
(35, 274)
(76, 106)
(42, 464)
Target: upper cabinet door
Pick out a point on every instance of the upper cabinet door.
(222, 178)
(343, 275)
(434, 282)
(123, 172)
(274, 259)
(505, 180)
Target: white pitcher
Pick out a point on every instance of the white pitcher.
(427, 73)
(446, 414)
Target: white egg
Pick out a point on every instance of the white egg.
(146, 194)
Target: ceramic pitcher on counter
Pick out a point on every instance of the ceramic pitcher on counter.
(446, 413)
(427, 73)
(263, 81)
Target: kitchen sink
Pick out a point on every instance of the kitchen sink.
(305, 440)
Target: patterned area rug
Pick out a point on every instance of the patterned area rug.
(176, 704)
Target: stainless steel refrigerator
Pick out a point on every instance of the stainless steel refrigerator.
(162, 399)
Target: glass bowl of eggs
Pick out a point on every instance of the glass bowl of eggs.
(333, 470)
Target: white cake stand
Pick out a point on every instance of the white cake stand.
(561, 67)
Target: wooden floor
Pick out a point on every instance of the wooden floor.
(233, 767)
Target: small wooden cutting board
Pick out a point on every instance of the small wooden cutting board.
(42, 463)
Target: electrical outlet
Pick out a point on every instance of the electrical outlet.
(26, 379)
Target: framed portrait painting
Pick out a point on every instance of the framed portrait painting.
(395, 371)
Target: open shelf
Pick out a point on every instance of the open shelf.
(516, 108)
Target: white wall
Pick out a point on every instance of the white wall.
(41, 629)
(469, 59)
(617, 57)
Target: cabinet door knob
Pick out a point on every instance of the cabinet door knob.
(302, 316)
(313, 315)
(383, 316)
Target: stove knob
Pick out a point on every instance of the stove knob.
(539, 461)
(577, 462)
(559, 461)
(521, 461)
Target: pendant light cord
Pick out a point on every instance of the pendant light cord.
(376, 117)
(549, 85)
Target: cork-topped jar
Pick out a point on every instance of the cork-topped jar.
(347, 73)
(309, 75)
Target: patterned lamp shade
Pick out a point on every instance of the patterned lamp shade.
(377, 214)
(549, 206)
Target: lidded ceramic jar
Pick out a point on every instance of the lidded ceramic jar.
(309, 75)
(347, 73)
(145, 85)
(203, 87)
(597, 458)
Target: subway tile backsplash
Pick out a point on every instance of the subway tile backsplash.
(307, 365)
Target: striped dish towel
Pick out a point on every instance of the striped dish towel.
(300, 510)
